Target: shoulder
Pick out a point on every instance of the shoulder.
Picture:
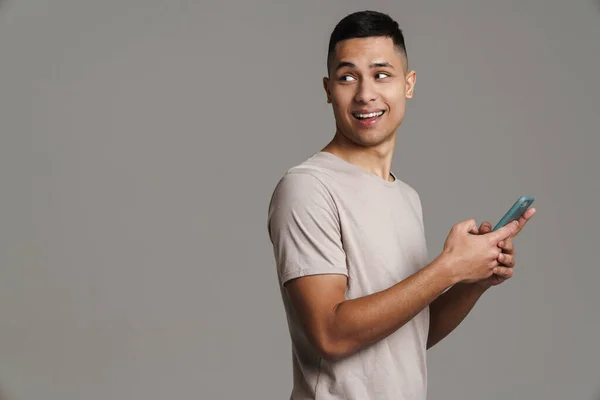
(301, 186)
(308, 180)
(301, 204)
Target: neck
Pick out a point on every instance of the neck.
(374, 159)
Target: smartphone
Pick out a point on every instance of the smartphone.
(515, 212)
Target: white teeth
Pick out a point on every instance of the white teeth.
(370, 115)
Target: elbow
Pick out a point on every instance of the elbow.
(332, 349)
(330, 353)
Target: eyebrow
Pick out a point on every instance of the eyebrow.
(383, 64)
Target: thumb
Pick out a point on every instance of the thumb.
(469, 226)
(505, 232)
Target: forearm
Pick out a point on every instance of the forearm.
(360, 322)
(450, 309)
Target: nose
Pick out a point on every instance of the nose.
(365, 92)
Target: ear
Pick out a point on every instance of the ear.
(409, 84)
(326, 87)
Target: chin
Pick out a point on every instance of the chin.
(371, 139)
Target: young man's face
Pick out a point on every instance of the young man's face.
(368, 87)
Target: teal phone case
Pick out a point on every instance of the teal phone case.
(515, 212)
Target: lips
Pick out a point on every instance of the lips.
(363, 115)
(367, 118)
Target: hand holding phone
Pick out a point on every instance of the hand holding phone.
(516, 211)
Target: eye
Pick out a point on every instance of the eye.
(381, 75)
(346, 78)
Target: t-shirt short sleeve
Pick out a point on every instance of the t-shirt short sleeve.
(304, 228)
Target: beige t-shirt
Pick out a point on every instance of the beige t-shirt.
(328, 216)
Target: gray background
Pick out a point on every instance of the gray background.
(141, 141)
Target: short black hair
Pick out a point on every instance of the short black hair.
(364, 24)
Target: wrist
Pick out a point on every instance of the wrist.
(446, 264)
(483, 285)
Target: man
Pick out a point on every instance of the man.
(362, 304)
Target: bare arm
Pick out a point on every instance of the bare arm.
(450, 309)
(339, 327)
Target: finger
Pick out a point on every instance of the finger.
(506, 260)
(525, 218)
(505, 232)
(504, 272)
(485, 227)
(507, 246)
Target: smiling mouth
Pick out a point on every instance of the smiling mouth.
(361, 117)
